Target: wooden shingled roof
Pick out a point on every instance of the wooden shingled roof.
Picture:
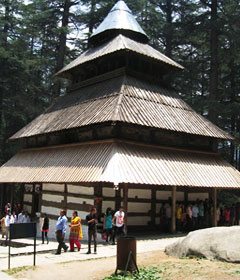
(122, 99)
(118, 162)
(117, 44)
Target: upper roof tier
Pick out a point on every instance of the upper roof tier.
(117, 44)
(118, 33)
(120, 20)
(124, 99)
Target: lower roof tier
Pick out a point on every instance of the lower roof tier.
(123, 99)
(119, 162)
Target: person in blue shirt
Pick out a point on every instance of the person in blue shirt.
(61, 228)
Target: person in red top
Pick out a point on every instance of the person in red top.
(227, 216)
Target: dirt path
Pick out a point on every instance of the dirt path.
(172, 269)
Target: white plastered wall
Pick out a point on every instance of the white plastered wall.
(59, 198)
(53, 187)
(110, 192)
(80, 189)
(27, 197)
(52, 223)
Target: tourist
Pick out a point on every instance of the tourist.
(75, 231)
(61, 227)
(227, 216)
(218, 215)
(168, 216)
(178, 217)
(3, 227)
(195, 212)
(183, 218)
(162, 214)
(118, 223)
(92, 230)
(21, 216)
(232, 215)
(45, 228)
(237, 214)
(201, 214)
(207, 212)
(26, 218)
(8, 208)
(108, 225)
(13, 218)
(189, 217)
(7, 225)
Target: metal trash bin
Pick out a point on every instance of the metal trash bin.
(126, 252)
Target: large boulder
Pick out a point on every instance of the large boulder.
(222, 243)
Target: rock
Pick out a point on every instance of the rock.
(222, 243)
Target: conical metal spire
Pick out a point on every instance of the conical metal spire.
(120, 20)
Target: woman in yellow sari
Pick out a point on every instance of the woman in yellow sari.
(75, 232)
(3, 225)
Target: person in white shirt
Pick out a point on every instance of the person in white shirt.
(13, 219)
(118, 223)
(20, 216)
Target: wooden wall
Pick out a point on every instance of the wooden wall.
(143, 202)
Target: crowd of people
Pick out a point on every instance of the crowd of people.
(113, 225)
(12, 215)
(197, 215)
(190, 216)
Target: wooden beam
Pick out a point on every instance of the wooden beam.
(125, 204)
(89, 196)
(70, 206)
(173, 224)
(153, 207)
(214, 198)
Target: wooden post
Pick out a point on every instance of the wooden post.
(65, 198)
(173, 225)
(1, 197)
(11, 196)
(125, 204)
(153, 207)
(117, 198)
(22, 196)
(98, 200)
(214, 198)
(33, 200)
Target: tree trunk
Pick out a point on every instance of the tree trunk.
(213, 87)
(62, 45)
(169, 24)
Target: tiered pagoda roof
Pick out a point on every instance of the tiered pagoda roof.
(110, 86)
(122, 99)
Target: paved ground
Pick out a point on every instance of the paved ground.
(22, 256)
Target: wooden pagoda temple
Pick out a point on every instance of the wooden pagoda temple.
(121, 135)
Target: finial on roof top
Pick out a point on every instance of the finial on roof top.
(120, 20)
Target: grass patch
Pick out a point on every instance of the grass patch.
(17, 270)
(148, 273)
